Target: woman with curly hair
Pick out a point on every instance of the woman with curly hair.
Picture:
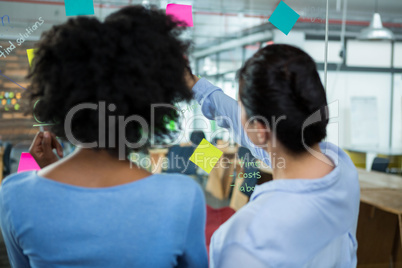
(92, 209)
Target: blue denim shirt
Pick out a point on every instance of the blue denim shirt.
(287, 223)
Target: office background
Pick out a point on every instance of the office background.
(363, 78)
(226, 33)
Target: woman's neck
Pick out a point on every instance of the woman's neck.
(300, 166)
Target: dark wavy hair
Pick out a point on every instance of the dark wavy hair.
(132, 60)
(282, 80)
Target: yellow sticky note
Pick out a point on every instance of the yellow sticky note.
(206, 156)
(30, 53)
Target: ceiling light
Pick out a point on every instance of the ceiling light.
(376, 31)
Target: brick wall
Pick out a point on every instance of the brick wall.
(14, 125)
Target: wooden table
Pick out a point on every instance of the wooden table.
(380, 219)
(378, 180)
(385, 199)
(157, 156)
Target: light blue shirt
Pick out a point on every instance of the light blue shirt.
(287, 223)
(158, 221)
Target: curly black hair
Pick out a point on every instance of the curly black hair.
(132, 60)
(282, 80)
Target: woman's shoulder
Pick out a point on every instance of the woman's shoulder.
(14, 188)
(29, 178)
(17, 180)
(178, 187)
(177, 180)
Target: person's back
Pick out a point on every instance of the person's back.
(307, 215)
(295, 223)
(95, 84)
(152, 222)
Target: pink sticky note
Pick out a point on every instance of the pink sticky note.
(182, 13)
(27, 162)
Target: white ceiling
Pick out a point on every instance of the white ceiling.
(213, 18)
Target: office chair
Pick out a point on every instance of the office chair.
(15, 155)
(6, 158)
(215, 140)
(380, 164)
(179, 162)
(196, 137)
(179, 159)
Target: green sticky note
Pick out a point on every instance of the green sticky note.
(30, 53)
(206, 156)
(172, 125)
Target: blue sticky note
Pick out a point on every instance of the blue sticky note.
(284, 18)
(79, 7)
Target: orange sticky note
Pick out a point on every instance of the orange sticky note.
(27, 163)
(30, 53)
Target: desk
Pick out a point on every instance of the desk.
(376, 150)
(157, 156)
(379, 230)
(380, 218)
(384, 199)
(379, 180)
(372, 152)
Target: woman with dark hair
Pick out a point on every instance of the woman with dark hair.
(96, 83)
(307, 216)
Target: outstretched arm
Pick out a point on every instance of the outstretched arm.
(216, 105)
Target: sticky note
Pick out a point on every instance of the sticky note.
(27, 162)
(284, 18)
(30, 53)
(206, 156)
(79, 7)
(182, 13)
(172, 125)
